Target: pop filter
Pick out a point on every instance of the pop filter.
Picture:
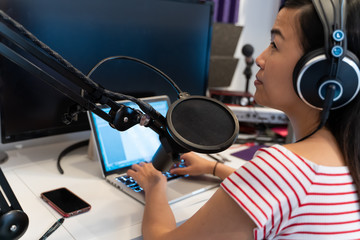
(195, 123)
(202, 124)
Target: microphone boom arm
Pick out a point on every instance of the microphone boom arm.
(16, 34)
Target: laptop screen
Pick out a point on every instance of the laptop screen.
(119, 150)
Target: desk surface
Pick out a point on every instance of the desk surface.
(114, 215)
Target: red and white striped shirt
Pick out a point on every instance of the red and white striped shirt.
(289, 197)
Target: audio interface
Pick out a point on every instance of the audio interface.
(259, 115)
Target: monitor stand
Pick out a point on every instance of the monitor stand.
(3, 157)
(92, 154)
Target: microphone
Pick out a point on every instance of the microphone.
(247, 51)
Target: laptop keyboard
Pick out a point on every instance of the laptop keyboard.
(131, 183)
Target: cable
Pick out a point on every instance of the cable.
(67, 150)
(144, 106)
(329, 98)
(172, 83)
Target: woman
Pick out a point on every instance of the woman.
(307, 189)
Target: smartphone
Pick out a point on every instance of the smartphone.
(65, 202)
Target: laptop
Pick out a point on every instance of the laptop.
(118, 151)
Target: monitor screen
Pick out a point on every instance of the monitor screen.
(172, 35)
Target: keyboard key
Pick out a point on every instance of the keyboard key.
(131, 183)
(137, 188)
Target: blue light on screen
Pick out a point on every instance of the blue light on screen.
(122, 149)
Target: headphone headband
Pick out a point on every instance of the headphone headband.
(331, 14)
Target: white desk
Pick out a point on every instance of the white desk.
(114, 215)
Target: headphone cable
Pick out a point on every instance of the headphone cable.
(329, 99)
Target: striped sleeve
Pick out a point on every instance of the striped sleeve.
(288, 196)
(268, 188)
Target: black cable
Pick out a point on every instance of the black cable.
(329, 98)
(67, 150)
(144, 106)
(172, 83)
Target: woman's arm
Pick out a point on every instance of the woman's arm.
(219, 218)
(196, 165)
(158, 216)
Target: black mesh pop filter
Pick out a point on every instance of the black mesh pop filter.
(202, 124)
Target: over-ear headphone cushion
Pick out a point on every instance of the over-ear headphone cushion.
(314, 68)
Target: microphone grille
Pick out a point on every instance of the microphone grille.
(247, 50)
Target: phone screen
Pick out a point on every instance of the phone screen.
(65, 202)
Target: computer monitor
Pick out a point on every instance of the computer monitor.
(172, 35)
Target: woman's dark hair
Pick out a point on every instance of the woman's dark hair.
(342, 122)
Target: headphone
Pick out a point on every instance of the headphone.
(332, 65)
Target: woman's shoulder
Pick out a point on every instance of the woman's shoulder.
(278, 154)
(305, 157)
(320, 153)
(321, 149)
(280, 163)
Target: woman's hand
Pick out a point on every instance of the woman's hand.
(147, 176)
(194, 165)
